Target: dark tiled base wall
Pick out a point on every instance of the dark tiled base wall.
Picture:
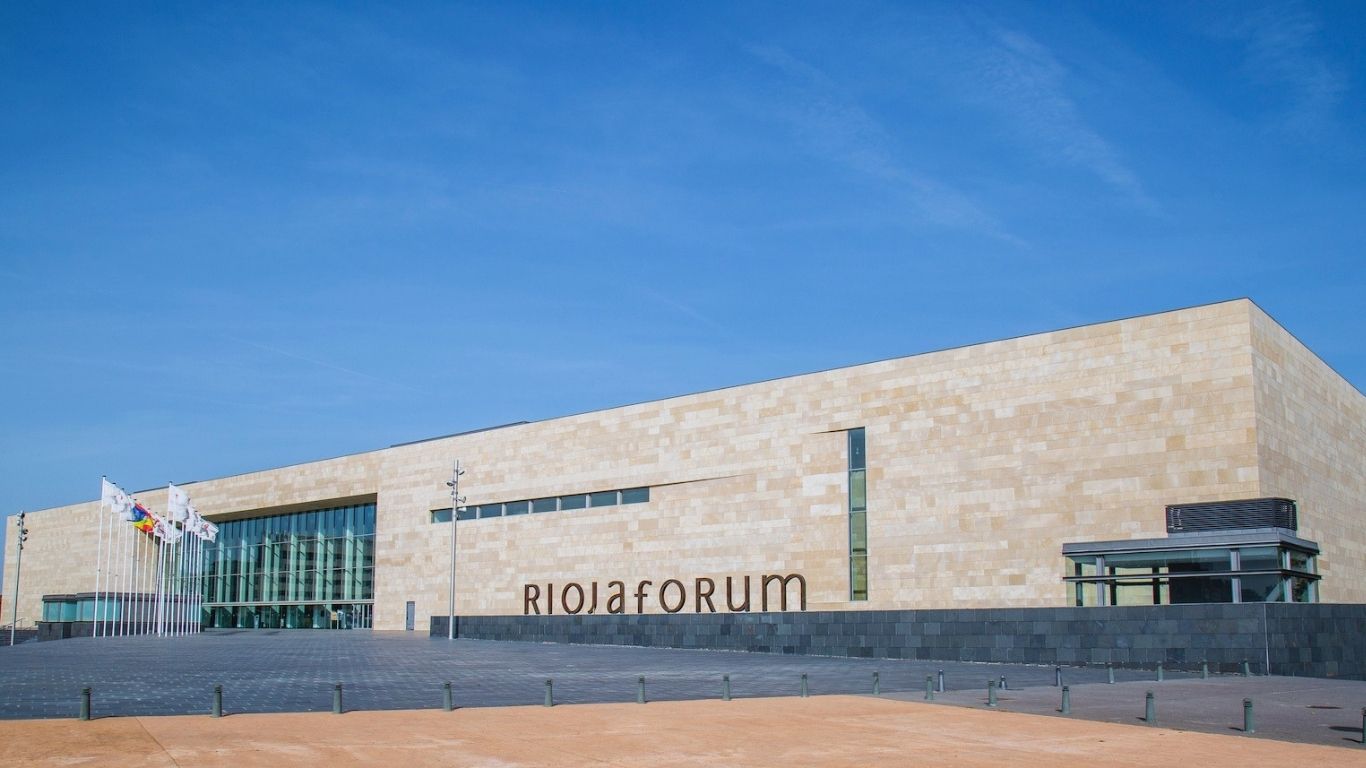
(1311, 640)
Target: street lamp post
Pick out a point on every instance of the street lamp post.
(18, 565)
(456, 501)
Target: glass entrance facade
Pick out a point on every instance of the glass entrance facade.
(300, 570)
(1268, 573)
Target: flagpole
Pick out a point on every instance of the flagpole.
(161, 579)
(127, 577)
(179, 612)
(184, 579)
(198, 584)
(172, 616)
(120, 578)
(185, 591)
(108, 568)
(175, 585)
(189, 583)
(118, 575)
(194, 588)
(142, 581)
(145, 599)
(99, 548)
(133, 589)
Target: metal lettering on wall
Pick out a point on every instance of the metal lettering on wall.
(673, 596)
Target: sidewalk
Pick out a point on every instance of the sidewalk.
(779, 732)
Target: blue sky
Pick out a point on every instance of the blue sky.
(235, 236)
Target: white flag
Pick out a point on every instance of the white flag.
(166, 531)
(193, 520)
(177, 503)
(210, 531)
(113, 497)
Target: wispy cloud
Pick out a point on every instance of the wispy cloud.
(1282, 49)
(831, 124)
(681, 308)
(1021, 78)
(323, 363)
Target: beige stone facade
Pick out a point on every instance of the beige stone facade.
(982, 462)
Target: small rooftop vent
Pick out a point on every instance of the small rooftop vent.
(1231, 515)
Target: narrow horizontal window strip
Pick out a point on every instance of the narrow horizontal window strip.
(573, 501)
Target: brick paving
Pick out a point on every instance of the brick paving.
(295, 671)
(274, 671)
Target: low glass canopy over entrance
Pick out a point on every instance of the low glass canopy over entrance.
(1248, 566)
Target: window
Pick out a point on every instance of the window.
(548, 504)
(858, 516)
(603, 499)
(635, 495)
(466, 513)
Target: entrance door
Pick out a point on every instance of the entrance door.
(411, 622)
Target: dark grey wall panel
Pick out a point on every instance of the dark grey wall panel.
(1312, 640)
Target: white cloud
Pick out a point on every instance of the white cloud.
(1021, 79)
(1281, 46)
(832, 125)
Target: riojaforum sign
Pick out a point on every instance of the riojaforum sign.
(673, 595)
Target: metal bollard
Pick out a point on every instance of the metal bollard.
(1247, 669)
(805, 692)
(549, 693)
(85, 704)
(1249, 725)
(929, 688)
(640, 690)
(336, 699)
(1363, 726)
(1057, 676)
(448, 700)
(217, 701)
(1066, 700)
(1204, 670)
(725, 687)
(991, 694)
(877, 685)
(1003, 685)
(1149, 709)
(1110, 673)
(1159, 671)
(941, 681)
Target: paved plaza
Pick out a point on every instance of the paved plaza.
(296, 670)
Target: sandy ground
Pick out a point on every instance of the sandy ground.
(786, 732)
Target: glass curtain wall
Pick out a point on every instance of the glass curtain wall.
(301, 570)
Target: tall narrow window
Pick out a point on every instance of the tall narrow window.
(858, 516)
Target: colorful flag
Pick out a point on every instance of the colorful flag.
(140, 518)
